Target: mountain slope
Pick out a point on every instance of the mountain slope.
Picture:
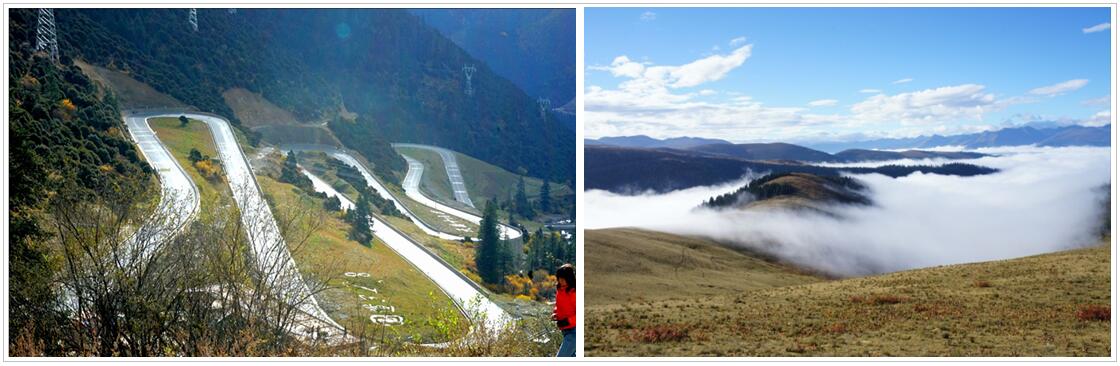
(534, 48)
(1035, 306)
(400, 76)
(633, 265)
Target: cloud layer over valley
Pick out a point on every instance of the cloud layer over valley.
(1043, 200)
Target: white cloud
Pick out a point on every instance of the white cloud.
(870, 91)
(823, 103)
(648, 16)
(1102, 118)
(1042, 200)
(735, 42)
(707, 92)
(1060, 88)
(942, 104)
(707, 69)
(1105, 100)
(1097, 28)
(902, 81)
(623, 66)
(715, 48)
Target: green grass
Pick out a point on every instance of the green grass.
(318, 164)
(1019, 307)
(484, 181)
(180, 140)
(397, 281)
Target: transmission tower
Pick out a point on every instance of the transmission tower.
(193, 19)
(544, 103)
(469, 70)
(45, 39)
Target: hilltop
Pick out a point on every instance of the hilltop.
(798, 190)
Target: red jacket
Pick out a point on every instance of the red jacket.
(565, 308)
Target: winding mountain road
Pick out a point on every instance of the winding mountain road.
(411, 185)
(454, 174)
(466, 294)
(179, 198)
(268, 247)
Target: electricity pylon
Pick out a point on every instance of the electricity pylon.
(544, 103)
(45, 38)
(193, 19)
(469, 70)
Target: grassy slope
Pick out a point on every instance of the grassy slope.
(319, 164)
(1017, 307)
(631, 265)
(401, 285)
(484, 181)
(180, 141)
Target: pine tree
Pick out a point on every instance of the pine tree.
(546, 200)
(521, 200)
(360, 231)
(488, 250)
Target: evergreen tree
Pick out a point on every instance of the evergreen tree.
(546, 200)
(183, 121)
(195, 156)
(360, 231)
(521, 200)
(289, 173)
(488, 250)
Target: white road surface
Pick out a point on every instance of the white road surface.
(179, 199)
(454, 175)
(458, 288)
(384, 193)
(269, 249)
(411, 185)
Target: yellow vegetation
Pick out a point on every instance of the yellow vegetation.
(208, 169)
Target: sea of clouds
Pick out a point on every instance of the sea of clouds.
(1043, 200)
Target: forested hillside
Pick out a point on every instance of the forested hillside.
(534, 48)
(402, 76)
(67, 149)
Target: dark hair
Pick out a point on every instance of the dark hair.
(568, 273)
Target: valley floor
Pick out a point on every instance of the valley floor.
(1054, 304)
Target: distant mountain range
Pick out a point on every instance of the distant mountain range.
(649, 142)
(630, 170)
(777, 151)
(1015, 136)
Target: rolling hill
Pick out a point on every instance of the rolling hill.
(1047, 305)
(633, 265)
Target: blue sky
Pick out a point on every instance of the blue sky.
(810, 74)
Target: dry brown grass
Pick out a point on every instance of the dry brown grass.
(1032, 306)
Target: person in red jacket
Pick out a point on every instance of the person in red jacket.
(565, 312)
